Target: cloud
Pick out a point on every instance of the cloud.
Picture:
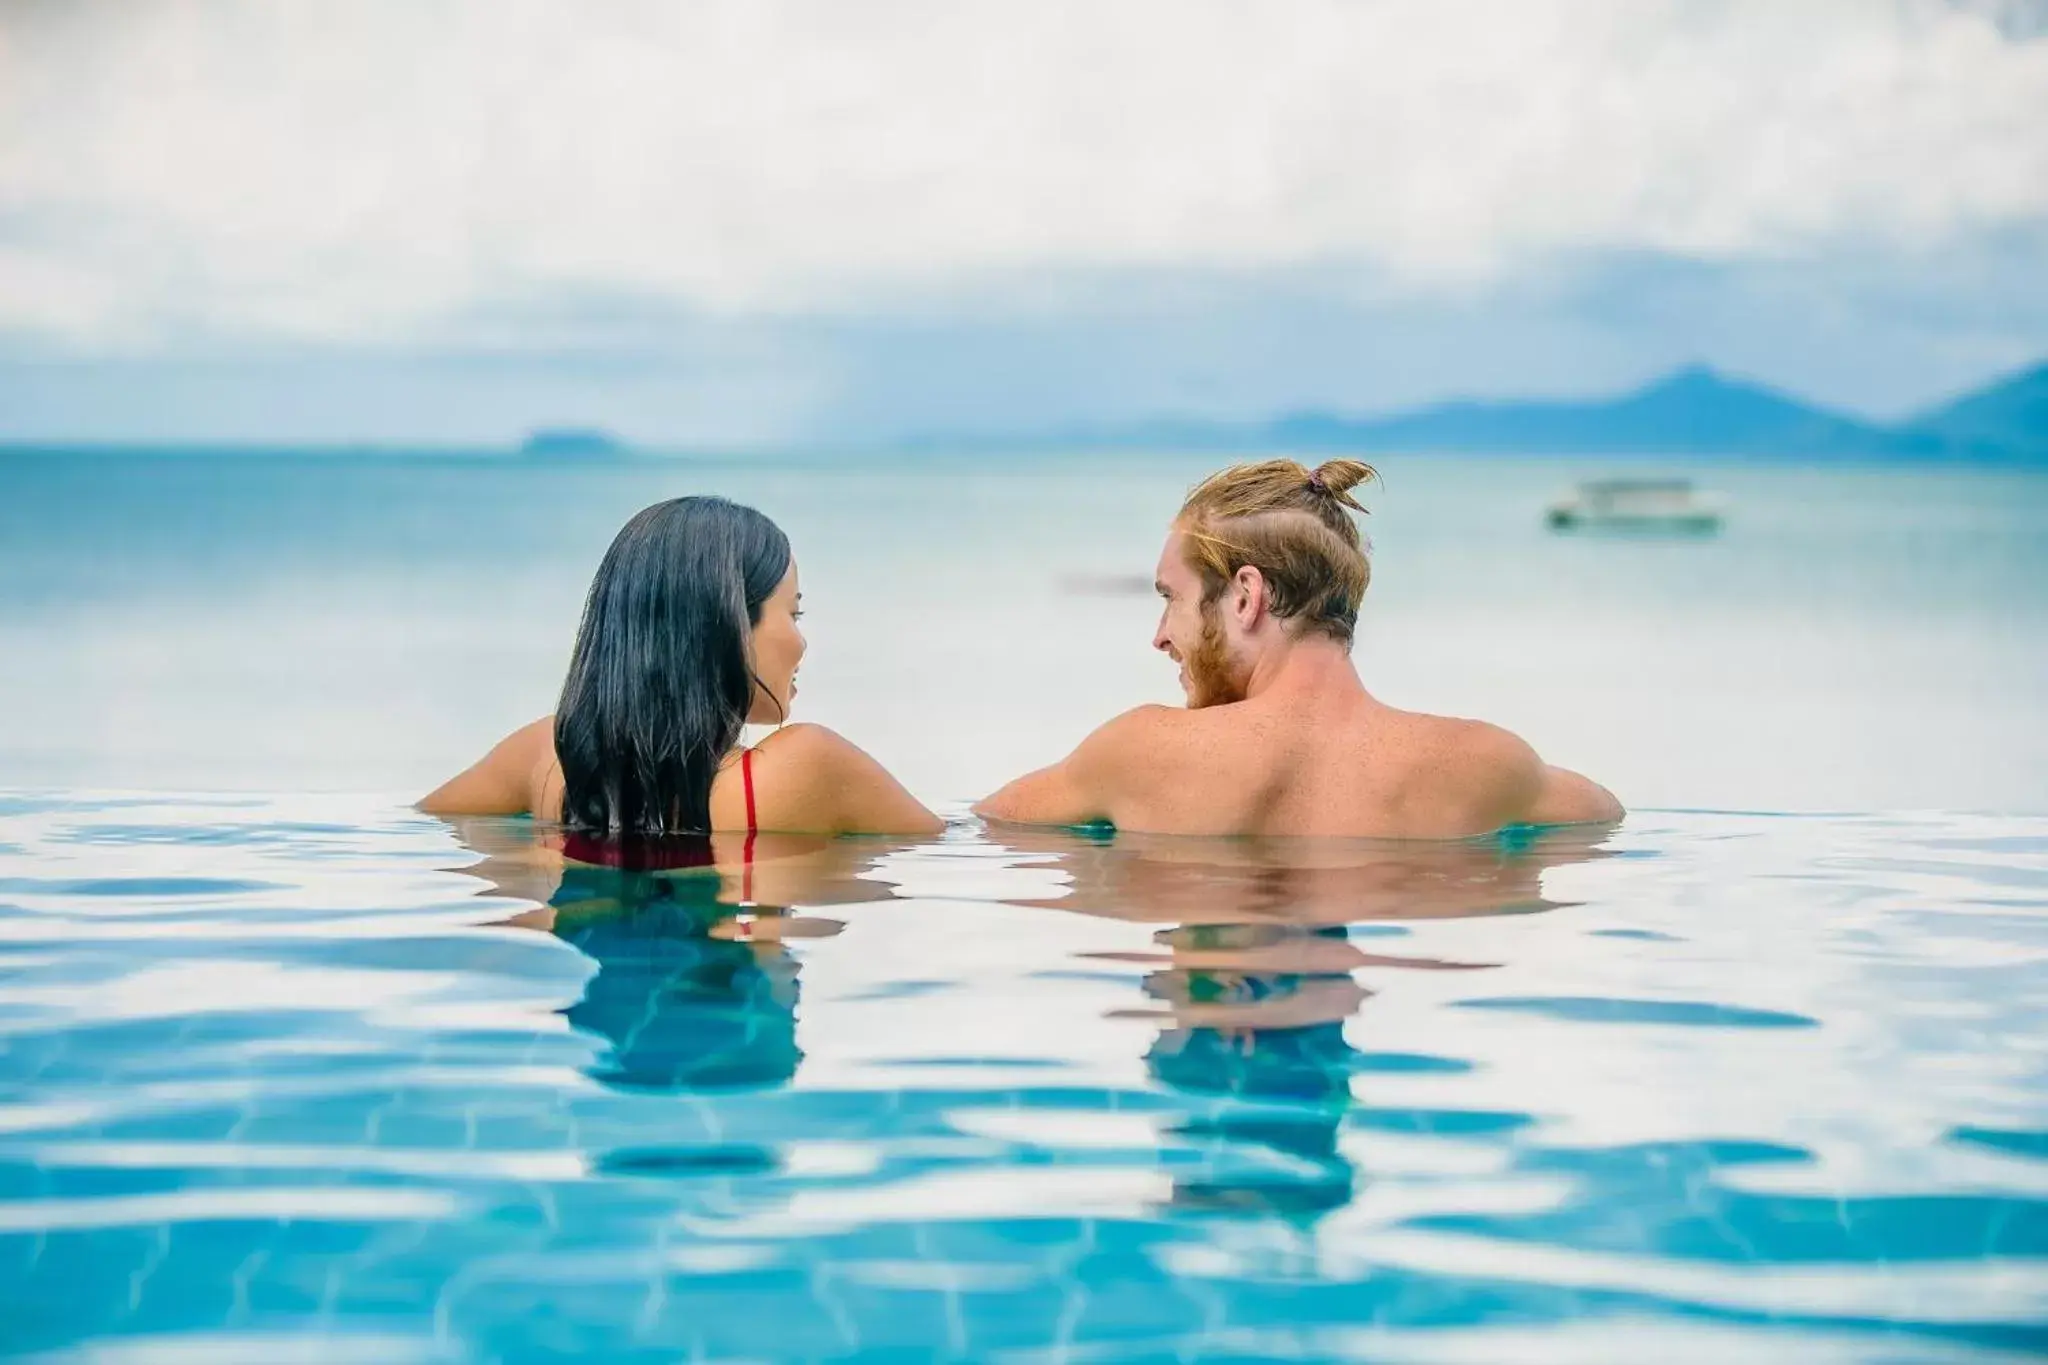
(381, 172)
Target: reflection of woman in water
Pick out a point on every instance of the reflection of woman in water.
(695, 987)
(690, 995)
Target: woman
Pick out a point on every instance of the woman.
(690, 631)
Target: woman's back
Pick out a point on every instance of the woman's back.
(804, 778)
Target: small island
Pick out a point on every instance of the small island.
(582, 442)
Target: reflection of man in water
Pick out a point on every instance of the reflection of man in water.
(1268, 1048)
(1253, 977)
(1165, 879)
(1262, 575)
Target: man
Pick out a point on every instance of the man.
(1262, 574)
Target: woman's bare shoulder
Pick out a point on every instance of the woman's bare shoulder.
(816, 778)
(804, 759)
(529, 751)
(803, 742)
(503, 781)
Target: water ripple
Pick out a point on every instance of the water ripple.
(330, 1079)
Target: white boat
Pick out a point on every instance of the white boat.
(1667, 506)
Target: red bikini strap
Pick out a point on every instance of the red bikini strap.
(747, 850)
(747, 780)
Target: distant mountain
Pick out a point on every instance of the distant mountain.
(584, 441)
(1694, 411)
(2009, 415)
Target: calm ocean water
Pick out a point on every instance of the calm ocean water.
(1861, 638)
(289, 1072)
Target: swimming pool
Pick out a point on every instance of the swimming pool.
(323, 1079)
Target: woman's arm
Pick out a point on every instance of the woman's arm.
(499, 783)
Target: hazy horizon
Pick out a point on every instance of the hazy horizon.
(594, 432)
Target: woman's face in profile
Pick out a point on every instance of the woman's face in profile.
(777, 648)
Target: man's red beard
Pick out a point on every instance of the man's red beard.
(1211, 679)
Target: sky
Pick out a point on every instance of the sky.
(763, 222)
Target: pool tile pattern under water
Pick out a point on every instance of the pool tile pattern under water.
(286, 1080)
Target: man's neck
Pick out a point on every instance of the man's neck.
(1312, 666)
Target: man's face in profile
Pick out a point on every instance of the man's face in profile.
(1194, 635)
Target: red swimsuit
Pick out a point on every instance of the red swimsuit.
(675, 851)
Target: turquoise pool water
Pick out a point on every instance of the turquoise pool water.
(322, 1079)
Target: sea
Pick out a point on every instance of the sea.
(291, 1072)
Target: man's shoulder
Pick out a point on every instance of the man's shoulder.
(1480, 760)
(1497, 778)
(1140, 729)
(1490, 746)
(1148, 748)
(1150, 719)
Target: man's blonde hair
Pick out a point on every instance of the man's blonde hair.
(1291, 523)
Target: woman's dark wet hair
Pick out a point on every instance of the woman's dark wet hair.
(659, 684)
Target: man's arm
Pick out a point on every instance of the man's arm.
(1524, 790)
(1564, 797)
(1082, 788)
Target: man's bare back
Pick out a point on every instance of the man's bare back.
(1299, 760)
(1280, 736)
(1256, 768)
